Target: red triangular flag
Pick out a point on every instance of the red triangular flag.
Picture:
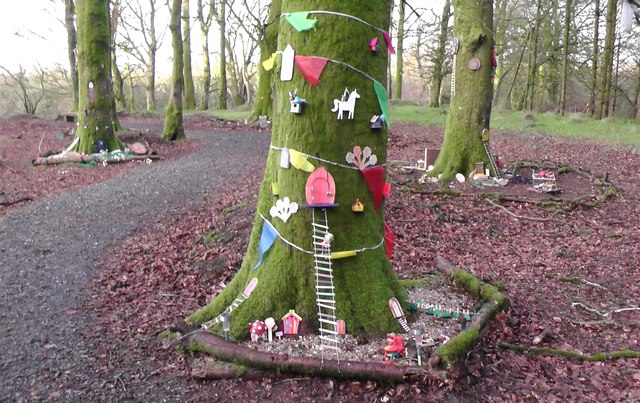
(311, 67)
(389, 241)
(375, 179)
(387, 189)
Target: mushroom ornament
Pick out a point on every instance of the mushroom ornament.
(257, 330)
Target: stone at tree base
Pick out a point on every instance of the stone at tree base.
(138, 148)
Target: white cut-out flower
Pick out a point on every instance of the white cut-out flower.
(361, 158)
(283, 209)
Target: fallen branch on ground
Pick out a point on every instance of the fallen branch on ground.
(516, 215)
(578, 281)
(614, 355)
(20, 200)
(604, 314)
(208, 342)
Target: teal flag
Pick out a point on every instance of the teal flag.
(267, 238)
(300, 21)
(383, 100)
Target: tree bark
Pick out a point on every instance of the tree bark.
(210, 343)
(604, 87)
(263, 105)
(205, 20)
(152, 48)
(118, 82)
(96, 115)
(173, 127)
(565, 56)
(72, 43)
(533, 59)
(500, 29)
(222, 95)
(594, 60)
(439, 56)
(189, 90)
(286, 276)
(470, 110)
(397, 85)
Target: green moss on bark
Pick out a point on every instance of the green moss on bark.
(479, 289)
(470, 110)
(454, 348)
(96, 115)
(173, 126)
(364, 283)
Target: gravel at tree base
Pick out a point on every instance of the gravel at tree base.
(48, 254)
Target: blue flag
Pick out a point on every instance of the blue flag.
(267, 238)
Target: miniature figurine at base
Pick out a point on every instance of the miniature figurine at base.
(395, 349)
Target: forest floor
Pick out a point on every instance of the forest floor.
(146, 277)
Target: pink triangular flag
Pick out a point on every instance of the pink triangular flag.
(387, 38)
(311, 67)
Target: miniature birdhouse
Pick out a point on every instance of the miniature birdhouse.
(374, 46)
(291, 322)
(357, 206)
(479, 168)
(376, 122)
(296, 103)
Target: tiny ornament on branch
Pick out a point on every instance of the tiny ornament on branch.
(361, 158)
(284, 209)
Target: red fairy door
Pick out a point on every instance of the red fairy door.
(320, 188)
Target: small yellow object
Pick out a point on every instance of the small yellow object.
(268, 64)
(357, 206)
(343, 254)
(485, 134)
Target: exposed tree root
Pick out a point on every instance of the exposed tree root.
(494, 301)
(225, 370)
(516, 215)
(602, 356)
(207, 342)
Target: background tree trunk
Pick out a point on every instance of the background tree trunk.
(397, 85)
(72, 43)
(173, 128)
(363, 283)
(118, 82)
(205, 19)
(263, 105)
(606, 70)
(152, 48)
(565, 56)
(500, 29)
(533, 59)
(95, 118)
(189, 90)
(594, 60)
(470, 110)
(222, 95)
(439, 56)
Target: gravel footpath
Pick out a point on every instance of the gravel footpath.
(48, 252)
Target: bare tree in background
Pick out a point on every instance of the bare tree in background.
(189, 89)
(29, 92)
(141, 23)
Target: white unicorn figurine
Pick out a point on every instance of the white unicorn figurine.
(340, 105)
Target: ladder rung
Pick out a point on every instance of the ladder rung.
(328, 301)
(324, 269)
(327, 331)
(326, 306)
(327, 321)
(315, 224)
(322, 256)
(324, 287)
(326, 294)
(324, 276)
(325, 262)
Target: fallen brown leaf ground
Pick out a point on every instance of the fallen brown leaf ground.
(162, 274)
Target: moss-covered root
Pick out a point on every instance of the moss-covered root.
(479, 289)
(602, 356)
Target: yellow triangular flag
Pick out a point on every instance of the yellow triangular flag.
(343, 254)
(300, 161)
(268, 64)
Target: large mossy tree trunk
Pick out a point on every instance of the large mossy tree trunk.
(263, 105)
(189, 89)
(96, 115)
(470, 110)
(173, 127)
(363, 283)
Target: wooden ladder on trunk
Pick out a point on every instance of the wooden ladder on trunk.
(325, 293)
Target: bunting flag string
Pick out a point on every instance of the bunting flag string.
(334, 255)
(301, 22)
(304, 155)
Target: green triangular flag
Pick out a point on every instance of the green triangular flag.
(300, 21)
(383, 100)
